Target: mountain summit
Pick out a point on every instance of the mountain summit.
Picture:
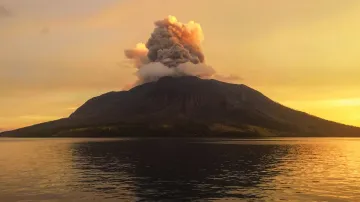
(186, 106)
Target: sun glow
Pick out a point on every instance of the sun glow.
(346, 102)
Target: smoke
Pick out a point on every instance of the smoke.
(138, 55)
(173, 43)
(174, 49)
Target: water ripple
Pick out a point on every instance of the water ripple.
(286, 169)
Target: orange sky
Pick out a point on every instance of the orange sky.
(55, 55)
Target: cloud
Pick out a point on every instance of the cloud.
(71, 108)
(40, 117)
(4, 12)
(228, 78)
(125, 64)
(173, 49)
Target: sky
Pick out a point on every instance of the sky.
(55, 55)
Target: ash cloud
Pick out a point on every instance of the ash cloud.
(173, 49)
(173, 43)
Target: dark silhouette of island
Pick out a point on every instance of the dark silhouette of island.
(186, 106)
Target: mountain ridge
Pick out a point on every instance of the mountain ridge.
(187, 106)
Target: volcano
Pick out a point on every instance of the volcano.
(186, 106)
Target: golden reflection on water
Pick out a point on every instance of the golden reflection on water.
(321, 170)
(313, 169)
(35, 169)
(34, 164)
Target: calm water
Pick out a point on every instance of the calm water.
(186, 169)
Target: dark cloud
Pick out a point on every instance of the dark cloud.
(4, 12)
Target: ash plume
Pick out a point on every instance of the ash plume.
(174, 49)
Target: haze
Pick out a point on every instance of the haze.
(55, 55)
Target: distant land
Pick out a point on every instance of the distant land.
(190, 107)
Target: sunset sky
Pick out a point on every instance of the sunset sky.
(56, 54)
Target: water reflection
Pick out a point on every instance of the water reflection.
(33, 169)
(63, 170)
(177, 169)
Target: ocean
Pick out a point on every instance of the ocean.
(280, 169)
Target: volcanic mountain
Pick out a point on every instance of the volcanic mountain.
(186, 106)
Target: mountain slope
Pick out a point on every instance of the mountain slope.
(187, 106)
